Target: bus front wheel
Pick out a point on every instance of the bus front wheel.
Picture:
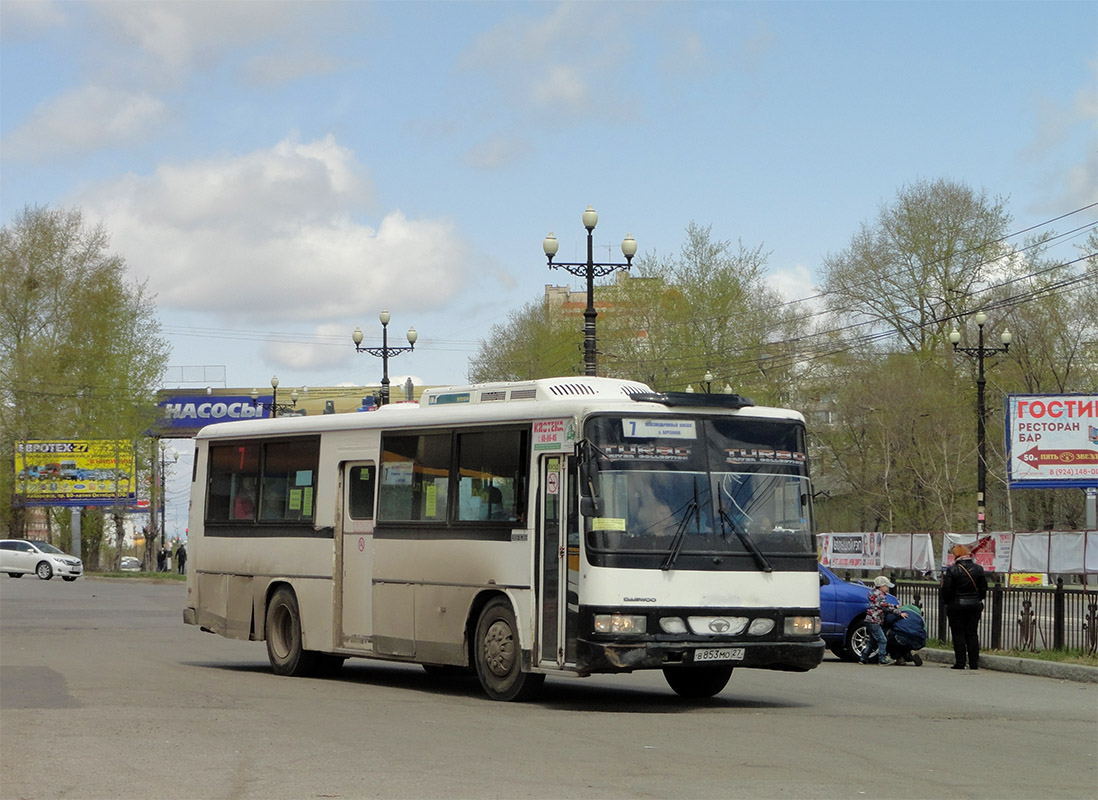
(697, 682)
(498, 655)
(284, 636)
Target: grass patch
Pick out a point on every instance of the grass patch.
(1075, 656)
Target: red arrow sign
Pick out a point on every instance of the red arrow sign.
(1036, 457)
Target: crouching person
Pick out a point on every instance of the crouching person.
(906, 634)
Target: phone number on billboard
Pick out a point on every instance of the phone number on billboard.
(1078, 472)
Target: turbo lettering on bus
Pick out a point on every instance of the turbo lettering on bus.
(740, 455)
(647, 451)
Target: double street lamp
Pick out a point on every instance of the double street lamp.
(274, 406)
(384, 352)
(980, 352)
(590, 270)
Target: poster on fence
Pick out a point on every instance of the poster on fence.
(851, 550)
(990, 550)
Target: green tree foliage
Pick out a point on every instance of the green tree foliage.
(80, 346)
(666, 323)
(919, 263)
(536, 341)
(901, 452)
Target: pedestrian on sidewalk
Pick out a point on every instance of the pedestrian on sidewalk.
(964, 587)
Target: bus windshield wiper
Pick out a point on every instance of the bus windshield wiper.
(745, 537)
(680, 532)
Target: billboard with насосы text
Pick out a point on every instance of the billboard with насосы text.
(183, 415)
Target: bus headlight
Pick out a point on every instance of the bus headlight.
(620, 623)
(802, 626)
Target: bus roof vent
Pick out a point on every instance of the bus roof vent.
(530, 393)
(571, 389)
(493, 396)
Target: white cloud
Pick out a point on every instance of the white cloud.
(29, 17)
(1063, 151)
(548, 62)
(792, 283)
(304, 356)
(181, 35)
(86, 119)
(271, 237)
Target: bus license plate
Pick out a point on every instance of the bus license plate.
(718, 654)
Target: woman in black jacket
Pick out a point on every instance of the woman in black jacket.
(964, 588)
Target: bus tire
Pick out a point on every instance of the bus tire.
(498, 656)
(284, 648)
(697, 682)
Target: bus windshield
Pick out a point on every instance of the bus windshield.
(701, 485)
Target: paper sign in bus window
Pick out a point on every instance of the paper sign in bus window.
(655, 428)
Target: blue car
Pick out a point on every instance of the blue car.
(842, 614)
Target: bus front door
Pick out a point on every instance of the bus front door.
(558, 582)
(355, 557)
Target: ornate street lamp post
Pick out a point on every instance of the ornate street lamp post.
(274, 406)
(384, 352)
(589, 269)
(979, 353)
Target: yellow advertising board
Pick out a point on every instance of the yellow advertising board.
(1028, 579)
(75, 472)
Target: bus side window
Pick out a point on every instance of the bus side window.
(415, 473)
(360, 492)
(289, 480)
(234, 471)
(492, 475)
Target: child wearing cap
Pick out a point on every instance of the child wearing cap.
(874, 616)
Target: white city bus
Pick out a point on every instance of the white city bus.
(563, 526)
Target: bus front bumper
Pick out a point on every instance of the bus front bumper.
(792, 656)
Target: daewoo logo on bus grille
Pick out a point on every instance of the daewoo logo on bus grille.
(719, 625)
(638, 600)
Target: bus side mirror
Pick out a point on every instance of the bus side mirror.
(591, 506)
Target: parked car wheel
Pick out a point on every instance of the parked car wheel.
(15, 574)
(44, 571)
(68, 578)
(857, 639)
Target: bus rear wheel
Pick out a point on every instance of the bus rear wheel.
(284, 648)
(697, 682)
(498, 656)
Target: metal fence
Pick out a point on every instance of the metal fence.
(1018, 618)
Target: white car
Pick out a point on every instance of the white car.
(19, 557)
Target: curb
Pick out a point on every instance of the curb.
(1023, 666)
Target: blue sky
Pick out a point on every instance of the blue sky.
(280, 172)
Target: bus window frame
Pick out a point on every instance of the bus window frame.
(451, 526)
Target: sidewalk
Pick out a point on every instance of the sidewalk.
(1024, 666)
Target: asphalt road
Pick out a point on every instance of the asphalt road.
(105, 693)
